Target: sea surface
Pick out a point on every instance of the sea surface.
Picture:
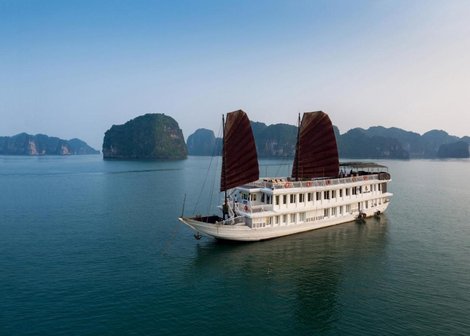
(93, 247)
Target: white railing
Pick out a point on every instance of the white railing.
(248, 207)
(283, 183)
(232, 221)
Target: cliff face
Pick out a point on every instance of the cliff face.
(457, 149)
(148, 137)
(40, 144)
(277, 140)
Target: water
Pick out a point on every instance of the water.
(92, 247)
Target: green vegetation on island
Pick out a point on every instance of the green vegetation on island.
(356, 144)
(40, 144)
(147, 137)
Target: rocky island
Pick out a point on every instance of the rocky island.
(149, 137)
(40, 144)
(204, 143)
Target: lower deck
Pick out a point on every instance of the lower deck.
(238, 228)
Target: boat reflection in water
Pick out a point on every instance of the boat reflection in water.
(304, 279)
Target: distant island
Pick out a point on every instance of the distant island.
(40, 144)
(278, 141)
(148, 137)
(157, 136)
(204, 143)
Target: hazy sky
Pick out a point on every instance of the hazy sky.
(74, 68)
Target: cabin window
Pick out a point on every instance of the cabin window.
(277, 219)
(378, 185)
(301, 198)
(341, 193)
(302, 217)
(284, 199)
(326, 212)
(253, 197)
(348, 208)
(341, 210)
(292, 198)
(333, 211)
(333, 194)
(268, 199)
(284, 219)
(367, 204)
(270, 220)
(354, 190)
(277, 200)
(318, 195)
(347, 191)
(262, 198)
(309, 197)
(292, 218)
(326, 194)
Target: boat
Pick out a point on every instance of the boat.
(320, 192)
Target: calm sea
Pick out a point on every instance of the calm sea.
(93, 247)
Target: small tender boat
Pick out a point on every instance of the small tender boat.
(321, 192)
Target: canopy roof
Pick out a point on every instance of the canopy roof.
(359, 164)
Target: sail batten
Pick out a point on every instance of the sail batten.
(240, 160)
(316, 151)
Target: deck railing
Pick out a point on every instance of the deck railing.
(233, 221)
(282, 183)
(249, 207)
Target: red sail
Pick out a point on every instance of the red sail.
(240, 161)
(316, 153)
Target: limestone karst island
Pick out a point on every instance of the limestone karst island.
(148, 137)
(40, 144)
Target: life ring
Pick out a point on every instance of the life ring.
(309, 184)
(328, 182)
(287, 185)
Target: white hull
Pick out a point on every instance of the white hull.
(240, 232)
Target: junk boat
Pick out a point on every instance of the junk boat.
(321, 191)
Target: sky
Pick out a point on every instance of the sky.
(72, 69)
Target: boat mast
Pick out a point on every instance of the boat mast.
(296, 163)
(224, 173)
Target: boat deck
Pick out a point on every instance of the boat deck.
(284, 183)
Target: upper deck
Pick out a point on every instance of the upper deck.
(288, 183)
